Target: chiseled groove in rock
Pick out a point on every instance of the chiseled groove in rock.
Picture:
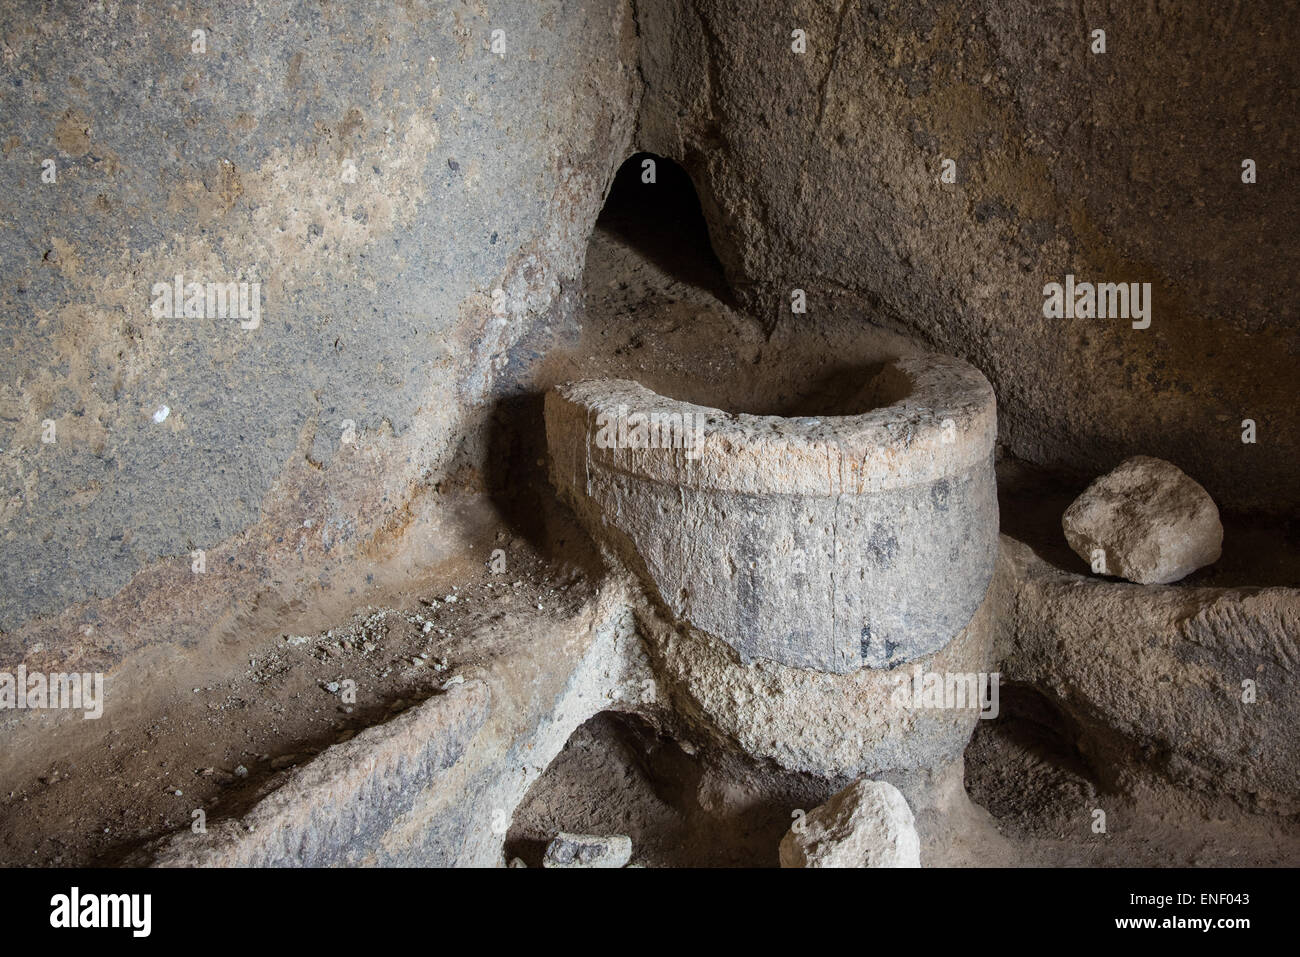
(336, 807)
(433, 786)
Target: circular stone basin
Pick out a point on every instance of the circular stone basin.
(820, 542)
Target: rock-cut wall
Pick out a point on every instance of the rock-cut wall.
(402, 193)
(405, 192)
(819, 133)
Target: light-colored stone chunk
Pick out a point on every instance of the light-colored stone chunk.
(868, 824)
(1146, 521)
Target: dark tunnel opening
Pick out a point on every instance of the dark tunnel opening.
(653, 208)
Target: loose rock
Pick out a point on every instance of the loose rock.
(868, 824)
(588, 850)
(1146, 521)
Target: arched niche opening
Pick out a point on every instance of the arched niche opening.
(653, 210)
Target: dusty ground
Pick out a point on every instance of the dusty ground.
(616, 777)
(221, 744)
(1045, 802)
(218, 736)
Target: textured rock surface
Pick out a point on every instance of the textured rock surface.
(381, 171)
(437, 785)
(825, 724)
(826, 543)
(1194, 684)
(954, 831)
(1145, 520)
(588, 850)
(868, 824)
(822, 171)
(377, 308)
(1151, 680)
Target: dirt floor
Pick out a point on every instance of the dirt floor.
(616, 776)
(218, 736)
(223, 742)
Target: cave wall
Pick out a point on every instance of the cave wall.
(822, 171)
(380, 170)
(478, 170)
